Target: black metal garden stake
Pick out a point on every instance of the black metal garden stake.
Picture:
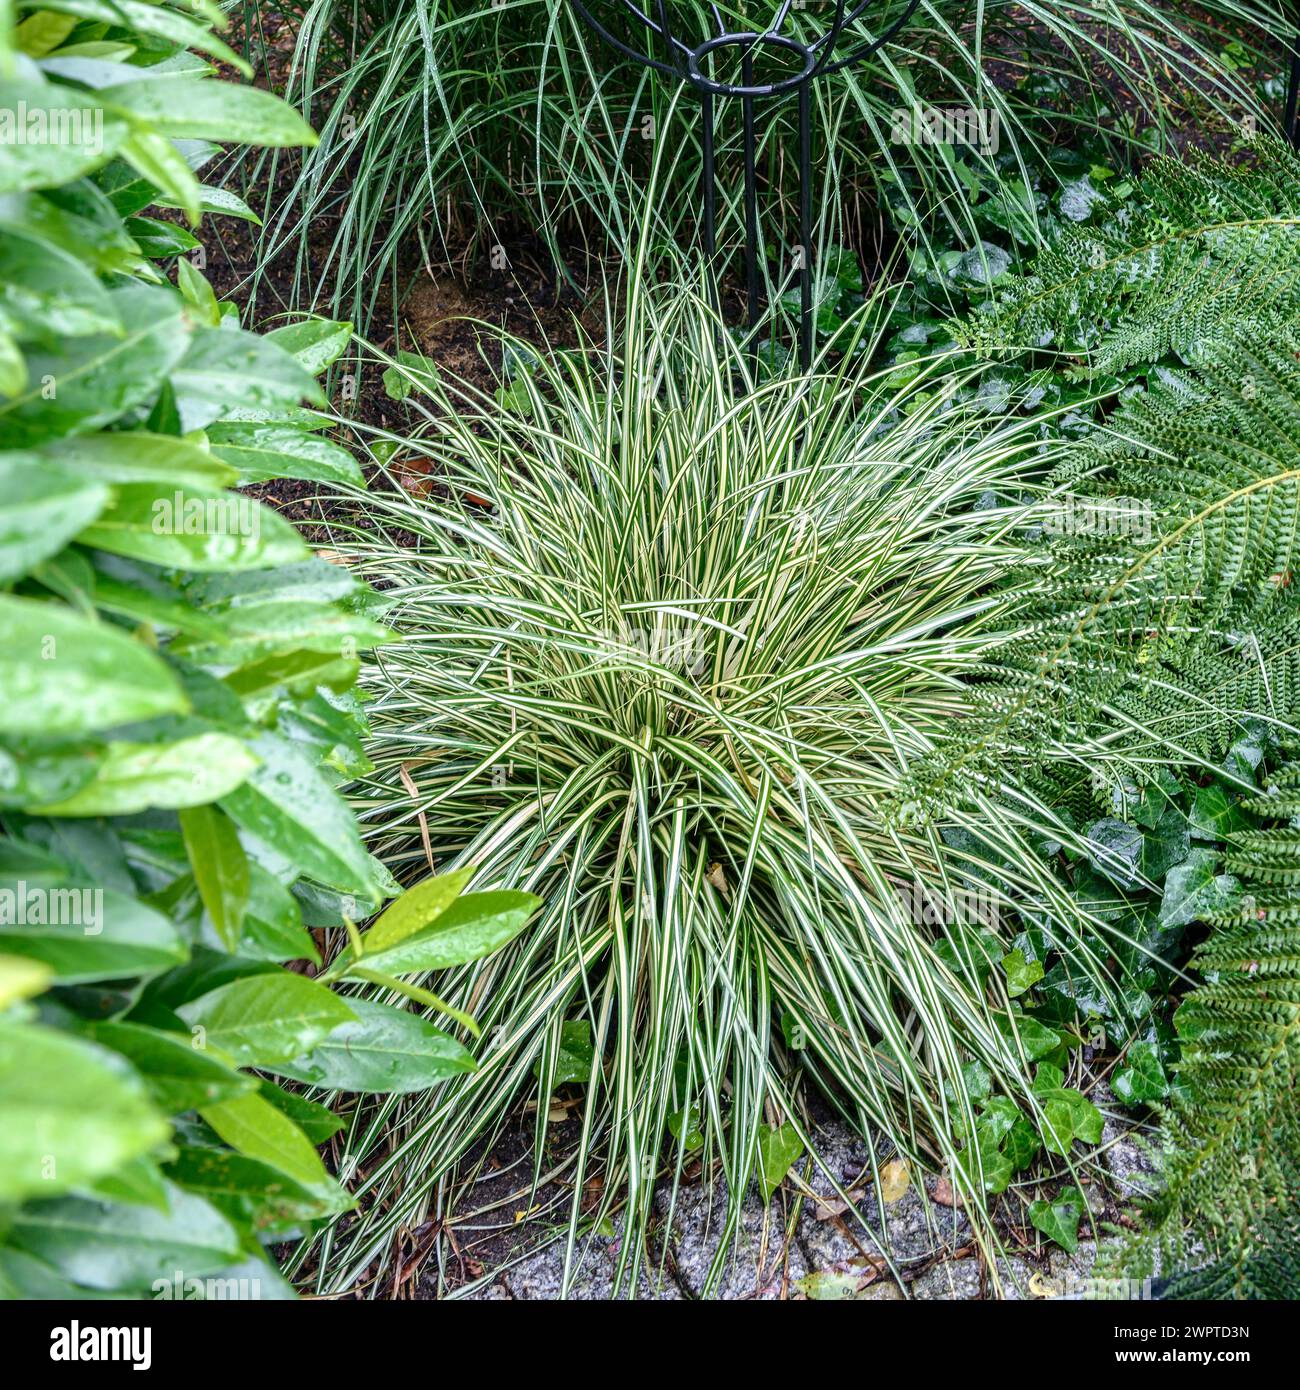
(809, 59)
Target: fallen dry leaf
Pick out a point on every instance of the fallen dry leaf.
(943, 1193)
(828, 1208)
(884, 1291)
(894, 1180)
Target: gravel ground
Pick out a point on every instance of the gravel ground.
(812, 1244)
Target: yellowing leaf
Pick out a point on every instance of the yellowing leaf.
(20, 978)
(416, 909)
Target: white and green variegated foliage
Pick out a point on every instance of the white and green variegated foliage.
(477, 120)
(674, 640)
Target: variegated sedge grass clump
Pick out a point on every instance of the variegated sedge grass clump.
(671, 648)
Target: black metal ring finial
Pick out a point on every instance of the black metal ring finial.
(810, 58)
(686, 60)
(748, 41)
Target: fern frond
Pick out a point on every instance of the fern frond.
(1165, 636)
(1268, 856)
(1166, 607)
(1211, 243)
(1226, 1223)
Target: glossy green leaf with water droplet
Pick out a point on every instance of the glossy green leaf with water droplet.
(260, 452)
(475, 925)
(96, 934)
(417, 908)
(195, 109)
(52, 135)
(80, 384)
(220, 868)
(134, 777)
(315, 343)
(287, 803)
(136, 456)
(44, 291)
(263, 1019)
(111, 1245)
(255, 1127)
(194, 528)
(177, 1075)
(69, 1111)
(63, 673)
(41, 509)
(385, 1050)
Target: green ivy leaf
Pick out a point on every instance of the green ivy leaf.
(1115, 851)
(996, 1119)
(1192, 889)
(1068, 1114)
(684, 1126)
(1216, 813)
(576, 1054)
(1022, 974)
(412, 372)
(1142, 1077)
(1058, 1220)
(779, 1147)
(1035, 1038)
(986, 1157)
(1022, 1145)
